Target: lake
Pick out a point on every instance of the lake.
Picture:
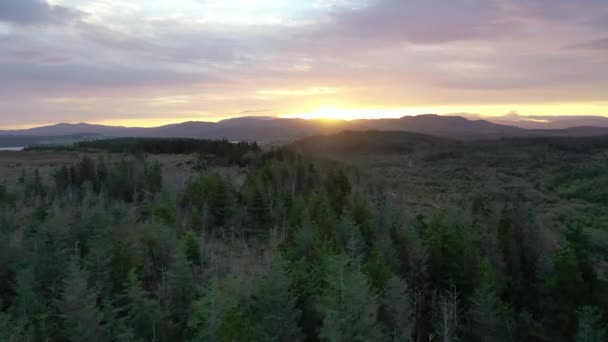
(11, 148)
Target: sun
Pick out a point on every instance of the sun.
(328, 113)
(332, 113)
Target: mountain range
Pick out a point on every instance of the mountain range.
(272, 129)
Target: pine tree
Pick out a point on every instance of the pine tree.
(218, 201)
(12, 331)
(590, 325)
(377, 270)
(29, 308)
(258, 207)
(180, 285)
(452, 260)
(192, 248)
(153, 177)
(566, 288)
(488, 314)
(209, 312)
(348, 305)
(143, 314)
(114, 325)
(274, 307)
(398, 310)
(82, 319)
(338, 187)
(576, 238)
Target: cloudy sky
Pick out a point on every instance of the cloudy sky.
(149, 62)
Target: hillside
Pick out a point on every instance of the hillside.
(279, 130)
(367, 142)
(564, 178)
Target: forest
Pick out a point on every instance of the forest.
(292, 246)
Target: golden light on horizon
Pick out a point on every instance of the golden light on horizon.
(332, 112)
(335, 112)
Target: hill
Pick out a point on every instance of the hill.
(280, 130)
(367, 142)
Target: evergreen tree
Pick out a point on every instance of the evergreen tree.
(13, 331)
(590, 325)
(82, 319)
(579, 242)
(398, 311)
(338, 187)
(274, 307)
(488, 314)
(192, 248)
(209, 313)
(29, 309)
(348, 305)
(377, 270)
(153, 177)
(258, 207)
(180, 285)
(143, 314)
(566, 288)
(452, 260)
(114, 325)
(218, 200)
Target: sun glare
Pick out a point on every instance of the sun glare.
(330, 113)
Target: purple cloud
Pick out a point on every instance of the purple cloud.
(34, 12)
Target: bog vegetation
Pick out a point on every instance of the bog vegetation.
(294, 248)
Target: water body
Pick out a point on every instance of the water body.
(12, 148)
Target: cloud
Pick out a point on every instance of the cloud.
(597, 44)
(367, 53)
(439, 21)
(431, 21)
(34, 12)
(81, 78)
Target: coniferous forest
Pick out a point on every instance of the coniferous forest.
(274, 245)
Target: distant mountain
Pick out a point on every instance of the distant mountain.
(442, 126)
(68, 129)
(271, 129)
(548, 122)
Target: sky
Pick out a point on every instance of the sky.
(152, 62)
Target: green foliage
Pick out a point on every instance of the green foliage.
(590, 325)
(566, 288)
(142, 313)
(192, 248)
(258, 206)
(291, 248)
(452, 259)
(490, 317)
(222, 151)
(210, 197)
(82, 319)
(274, 307)
(338, 187)
(377, 270)
(398, 311)
(127, 180)
(180, 285)
(348, 304)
